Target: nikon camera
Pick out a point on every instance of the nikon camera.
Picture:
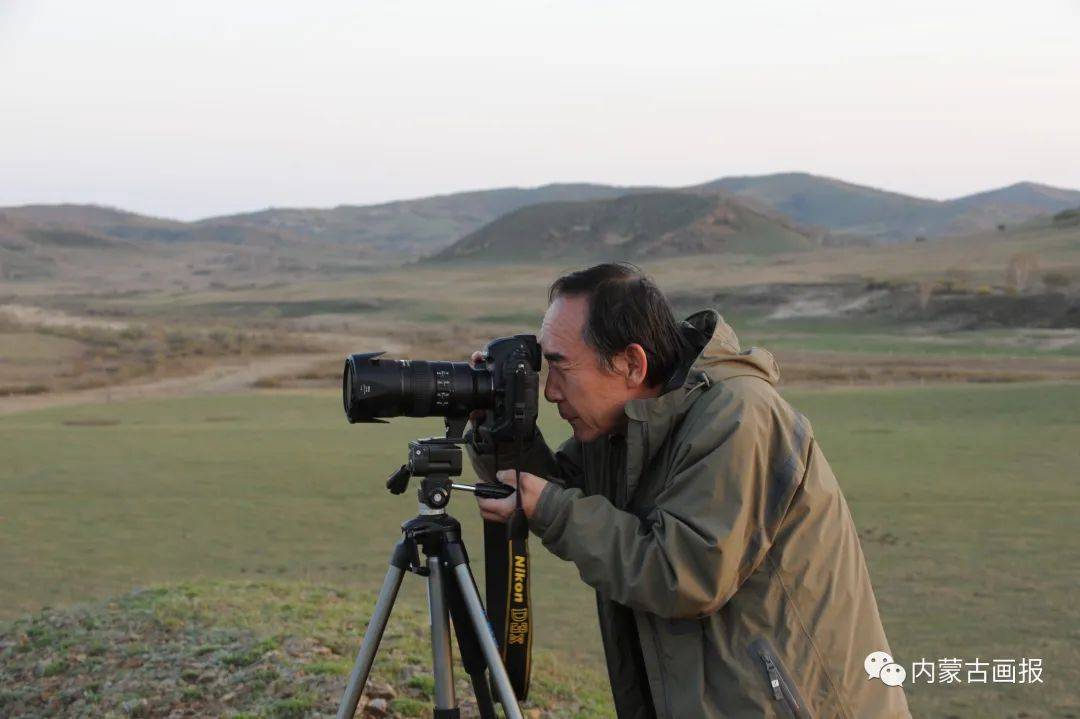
(505, 385)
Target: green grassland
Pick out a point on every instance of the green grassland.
(965, 497)
(823, 337)
(273, 649)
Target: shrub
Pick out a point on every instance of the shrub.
(1056, 280)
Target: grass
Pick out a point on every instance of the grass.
(176, 646)
(967, 503)
(68, 357)
(1031, 343)
(241, 487)
(965, 497)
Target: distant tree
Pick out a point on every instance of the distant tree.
(920, 238)
(1021, 267)
(1001, 228)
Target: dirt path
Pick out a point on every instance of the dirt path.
(230, 376)
(31, 316)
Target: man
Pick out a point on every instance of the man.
(728, 573)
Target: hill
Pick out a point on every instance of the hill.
(111, 250)
(855, 210)
(35, 251)
(653, 224)
(419, 226)
(1023, 198)
(827, 208)
(124, 225)
(390, 231)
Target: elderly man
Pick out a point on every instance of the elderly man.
(697, 503)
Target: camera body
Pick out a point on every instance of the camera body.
(514, 363)
(505, 385)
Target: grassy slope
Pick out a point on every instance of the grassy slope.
(407, 292)
(253, 486)
(434, 311)
(846, 208)
(965, 497)
(274, 649)
(646, 225)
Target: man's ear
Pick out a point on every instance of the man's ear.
(637, 365)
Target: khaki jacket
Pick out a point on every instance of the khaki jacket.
(718, 530)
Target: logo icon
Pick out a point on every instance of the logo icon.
(880, 665)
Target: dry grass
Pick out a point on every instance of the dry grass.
(51, 358)
(444, 311)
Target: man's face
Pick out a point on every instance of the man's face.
(590, 396)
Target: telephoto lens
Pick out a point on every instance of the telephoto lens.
(373, 387)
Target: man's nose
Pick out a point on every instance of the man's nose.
(551, 392)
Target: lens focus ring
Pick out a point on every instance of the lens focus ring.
(423, 388)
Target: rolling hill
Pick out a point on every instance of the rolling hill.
(847, 209)
(420, 226)
(651, 224)
(34, 251)
(106, 249)
(394, 230)
(121, 225)
(766, 212)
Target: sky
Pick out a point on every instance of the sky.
(193, 109)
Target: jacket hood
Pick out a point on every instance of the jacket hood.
(717, 353)
(712, 355)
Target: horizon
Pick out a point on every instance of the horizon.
(201, 109)
(672, 188)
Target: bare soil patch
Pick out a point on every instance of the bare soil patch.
(41, 317)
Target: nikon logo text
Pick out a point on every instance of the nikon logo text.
(520, 574)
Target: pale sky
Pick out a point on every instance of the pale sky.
(195, 108)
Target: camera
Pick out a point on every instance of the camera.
(505, 385)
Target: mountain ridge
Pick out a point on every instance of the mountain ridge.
(404, 229)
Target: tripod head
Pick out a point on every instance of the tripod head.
(435, 460)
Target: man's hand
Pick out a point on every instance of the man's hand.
(499, 510)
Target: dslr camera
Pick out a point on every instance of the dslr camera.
(505, 384)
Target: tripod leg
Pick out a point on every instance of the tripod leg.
(472, 657)
(374, 632)
(442, 661)
(475, 607)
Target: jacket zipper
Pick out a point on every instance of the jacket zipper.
(774, 678)
(780, 685)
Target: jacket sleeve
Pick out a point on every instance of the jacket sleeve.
(562, 467)
(728, 488)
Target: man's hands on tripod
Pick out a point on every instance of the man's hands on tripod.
(500, 510)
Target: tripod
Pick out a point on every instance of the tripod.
(452, 591)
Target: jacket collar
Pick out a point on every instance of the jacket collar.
(712, 354)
